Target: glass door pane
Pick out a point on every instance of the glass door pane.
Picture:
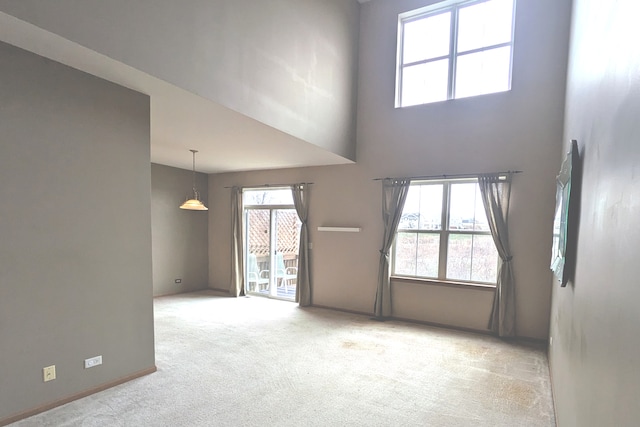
(273, 238)
(286, 243)
(257, 251)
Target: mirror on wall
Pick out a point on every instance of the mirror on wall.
(563, 228)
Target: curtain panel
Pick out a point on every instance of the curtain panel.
(303, 279)
(496, 193)
(394, 194)
(237, 257)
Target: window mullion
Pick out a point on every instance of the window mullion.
(513, 26)
(392, 261)
(424, 61)
(418, 234)
(453, 48)
(484, 48)
(444, 233)
(400, 61)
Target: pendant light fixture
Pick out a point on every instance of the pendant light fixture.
(194, 204)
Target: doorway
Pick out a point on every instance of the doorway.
(272, 238)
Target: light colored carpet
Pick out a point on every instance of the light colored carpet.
(258, 362)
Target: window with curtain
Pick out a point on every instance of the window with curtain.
(444, 234)
(454, 49)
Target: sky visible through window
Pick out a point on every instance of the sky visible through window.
(276, 196)
(423, 208)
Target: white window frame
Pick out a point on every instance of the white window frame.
(454, 7)
(444, 234)
(272, 208)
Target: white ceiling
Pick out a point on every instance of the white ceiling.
(227, 141)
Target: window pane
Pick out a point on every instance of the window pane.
(467, 210)
(485, 24)
(483, 72)
(459, 257)
(428, 255)
(406, 252)
(485, 260)
(480, 222)
(411, 211)
(430, 207)
(426, 38)
(425, 83)
(259, 233)
(463, 206)
(472, 258)
(423, 208)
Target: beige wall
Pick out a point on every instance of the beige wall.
(75, 251)
(179, 237)
(290, 64)
(595, 320)
(519, 129)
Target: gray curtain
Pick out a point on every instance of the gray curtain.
(303, 279)
(495, 197)
(237, 244)
(394, 194)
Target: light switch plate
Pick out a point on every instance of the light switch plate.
(49, 373)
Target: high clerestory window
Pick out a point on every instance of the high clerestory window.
(454, 49)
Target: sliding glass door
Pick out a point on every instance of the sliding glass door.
(272, 238)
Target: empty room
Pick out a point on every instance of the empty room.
(319, 212)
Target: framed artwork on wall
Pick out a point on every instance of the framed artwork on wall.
(564, 182)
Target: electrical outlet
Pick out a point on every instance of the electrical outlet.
(178, 281)
(49, 373)
(94, 361)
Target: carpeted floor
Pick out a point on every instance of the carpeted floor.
(258, 362)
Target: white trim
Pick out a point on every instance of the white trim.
(444, 232)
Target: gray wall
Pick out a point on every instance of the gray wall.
(179, 237)
(595, 320)
(290, 64)
(519, 129)
(75, 251)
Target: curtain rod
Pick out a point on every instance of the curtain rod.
(466, 175)
(270, 185)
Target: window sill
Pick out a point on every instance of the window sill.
(451, 284)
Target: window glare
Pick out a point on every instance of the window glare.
(466, 208)
(425, 83)
(463, 202)
(430, 207)
(426, 38)
(422, 208)
(411, 211)
(485, 24)
(483, 72)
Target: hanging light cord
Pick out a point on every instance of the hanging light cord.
(195, 192)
